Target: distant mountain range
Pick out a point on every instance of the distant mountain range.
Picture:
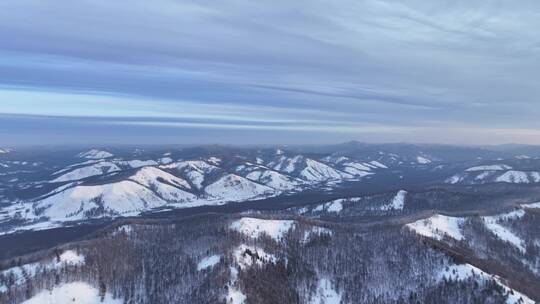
(43, 189)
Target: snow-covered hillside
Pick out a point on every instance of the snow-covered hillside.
(441, 226)
(130, 183)
(167, 186)
(195, 171)
(496, 173)
(148, 176)
(119, 198)
(397, 203)
(315, 171)
(254, 227)
(232, 187)
(94, 169)
(438, 227)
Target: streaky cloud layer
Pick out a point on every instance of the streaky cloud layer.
(302, 71)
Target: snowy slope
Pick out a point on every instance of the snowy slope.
(273, 179)
(286, 164)
(358, 166)
(462, 272)
(72, 293)
(254, 227)
(438, 226)
(318, 172)
(84, 172)
(377, 164)
(334, 206)
(22, 273)
(168, 186)
(95, 154)
(356, 169)
(397, 203)
(494, 224)
(494, 176)
(353, 167)
(232, 187)
(193, 170)
(124, 197)
(519, 177)
(149, 175)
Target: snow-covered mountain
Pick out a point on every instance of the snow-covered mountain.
(80, 202)
(106, 185)
(62, 187)
(495, 173)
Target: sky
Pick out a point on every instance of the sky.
(264, 72)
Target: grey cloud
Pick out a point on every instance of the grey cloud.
(406, 64)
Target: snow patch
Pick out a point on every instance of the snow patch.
(334, 206)
(208, 262)
(455, 179)
(422, 160)
(438, 226)
(398, 202)
(88, 171)
(378, 164)
(70, 257)
(234, 295)
(503, 233)
(315, 231)
(247, 256)
(531, 206)
(254, 227)
(325, 293)
(72, 293)
(517, 177)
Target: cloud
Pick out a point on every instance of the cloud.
(412, 64)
